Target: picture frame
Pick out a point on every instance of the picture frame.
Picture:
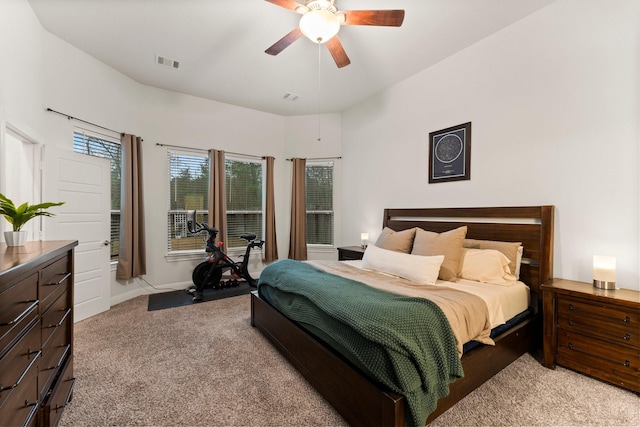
(450, 154)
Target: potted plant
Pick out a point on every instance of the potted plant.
(19, 216)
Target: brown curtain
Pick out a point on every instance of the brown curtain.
(217, 195)
(298, 236)
(270, 244)
(131, 252)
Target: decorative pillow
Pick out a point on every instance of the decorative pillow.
(420, 269)
(487, 266)
(448, 244)
(510, 249)
(399, 241)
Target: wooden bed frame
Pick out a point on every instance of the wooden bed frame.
(365, 403)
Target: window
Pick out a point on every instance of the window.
(94, 144)
(319, 199)
(244, 199)
(188, 191)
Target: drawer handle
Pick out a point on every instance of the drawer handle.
(23, 373)
(32, 413)
(626, 363)
(63, 357)
(59, 282)
(571, 307)
(627, 320)
(571, 322)
(570, 346)
(70, 393)
(66, 314)
(627, 337)
(23, 314)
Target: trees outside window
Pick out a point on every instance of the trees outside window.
(319, 200)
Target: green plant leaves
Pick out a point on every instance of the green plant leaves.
(19, 216)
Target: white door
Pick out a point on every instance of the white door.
(84, 183)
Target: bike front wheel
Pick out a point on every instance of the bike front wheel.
(199, 275)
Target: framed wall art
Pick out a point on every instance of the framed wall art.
(450, 154)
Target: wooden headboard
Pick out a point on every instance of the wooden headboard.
(531, 225)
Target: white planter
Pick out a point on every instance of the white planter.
(15, 238)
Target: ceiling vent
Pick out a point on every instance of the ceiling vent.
(167, 62)
(290, 96)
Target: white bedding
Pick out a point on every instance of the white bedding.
(503, 302)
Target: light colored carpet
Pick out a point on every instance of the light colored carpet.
(204, 365)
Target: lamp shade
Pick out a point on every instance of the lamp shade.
(604, 272)
(364, 238)
(319, 25)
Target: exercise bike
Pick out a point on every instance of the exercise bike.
(208, 274)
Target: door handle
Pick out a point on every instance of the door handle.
(106, 243)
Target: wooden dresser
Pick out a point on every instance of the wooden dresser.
(593, 331)
(36, 332)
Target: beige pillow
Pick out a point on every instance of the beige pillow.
(399, 241)
(448, 244)
(510, 249)
(487, 266)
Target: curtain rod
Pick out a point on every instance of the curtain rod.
(319, 158)
(205, 151)
(83, 121)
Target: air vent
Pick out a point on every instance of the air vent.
(167, 62)
(290, 96)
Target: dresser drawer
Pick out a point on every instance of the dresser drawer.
(618, 364)
(55, 316)
(54, 353)
(18, 307)
(55, 276)
(19, 364)
(599, 319)
(61, 394)
(21, 406)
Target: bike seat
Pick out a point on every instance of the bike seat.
(248, 237)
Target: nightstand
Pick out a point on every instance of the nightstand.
(348, 253)
(593, 331)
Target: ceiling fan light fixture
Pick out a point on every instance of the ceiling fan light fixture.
(319, 25)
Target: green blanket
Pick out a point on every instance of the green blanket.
(383, 334)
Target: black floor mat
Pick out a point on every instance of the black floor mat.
(181, 298)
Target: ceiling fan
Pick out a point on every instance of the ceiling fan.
(321, 21)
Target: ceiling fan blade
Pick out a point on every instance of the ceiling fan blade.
(284, 42)
(386, 18)
(337, 52)
(287, 4)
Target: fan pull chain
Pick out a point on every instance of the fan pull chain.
(319, 92)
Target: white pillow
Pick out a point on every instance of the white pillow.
(487, 266)
(421, 269)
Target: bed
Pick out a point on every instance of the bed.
(364, 401)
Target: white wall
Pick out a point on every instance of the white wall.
(21, 83)
(553, 101)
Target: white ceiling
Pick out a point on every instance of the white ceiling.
(220, 45)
